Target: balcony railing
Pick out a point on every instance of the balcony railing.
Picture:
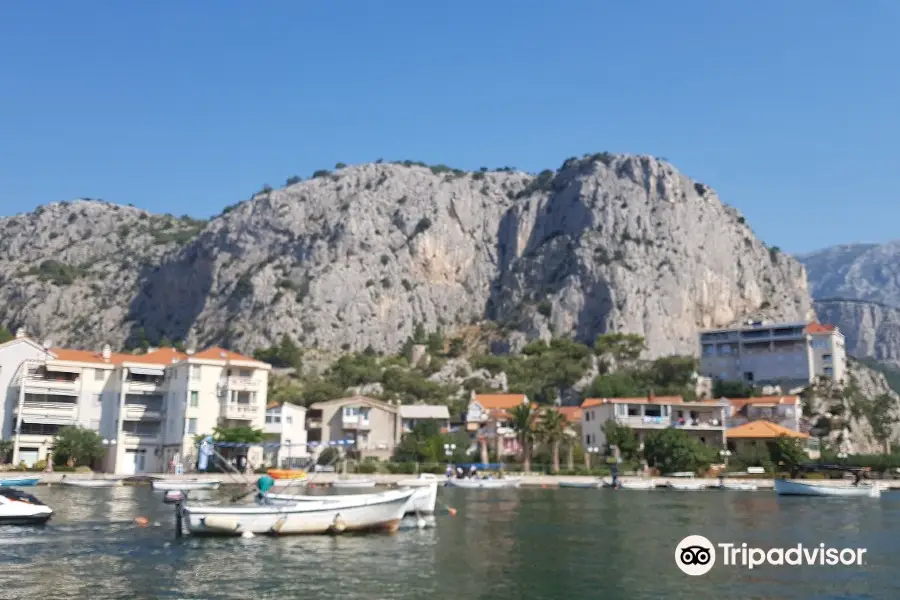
(137, 385)
(49, 384)
(239, 411)
(698, 424)
(136, 412)
(314, 423)
(50, 409)
(356, 424)
(242, 383)
(642, 421)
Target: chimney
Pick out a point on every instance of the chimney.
(189, 351)
(151, 349)
(107, 352)
(20, 333)
(48, 343)
(651, 397)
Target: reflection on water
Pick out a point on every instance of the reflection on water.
(503, 545)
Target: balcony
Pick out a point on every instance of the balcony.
(138, 412)
(701, 423)
(314, 423)
(356, 424)
(143, 385)
(243, 384)
(239, 411)
(644, 422)
(37, 384)
(136, 438)
(33, 410)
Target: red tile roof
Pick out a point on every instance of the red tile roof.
(588, 402)
(499, 401)
(216, 353)
(571, 413)
(762, 430)
(740, 403)
(815, 327)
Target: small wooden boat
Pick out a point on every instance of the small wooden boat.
(581, 484)
(19, 481)
(365, 512)
(485, 484)
(353, 483)
(687, 486)
(91, 483)
(19, 508)
(786, 487)
(185, 485)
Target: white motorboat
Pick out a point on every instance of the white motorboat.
(19, 508)
(91, 483)
(637, 484)
(364, 512)
(421, 502)
(786, 487)
(687, 486)
(185, 485)
(353, 483)
(490, 484)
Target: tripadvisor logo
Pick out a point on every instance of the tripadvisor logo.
(696, 555)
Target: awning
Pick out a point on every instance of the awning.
(146, 371)
(53, 367)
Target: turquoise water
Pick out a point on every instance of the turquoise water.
(502, 544)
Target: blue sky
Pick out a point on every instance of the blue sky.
(788, 109)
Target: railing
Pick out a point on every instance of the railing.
(698, 424)
(138, 385)
(242, 383)
(140, 411)
(356, 424)
(45, 383)
(65, 409)
(238, 410)
(314, 423)
(644, 421)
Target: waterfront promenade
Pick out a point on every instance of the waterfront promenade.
(325, 479)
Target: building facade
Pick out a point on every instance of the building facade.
(784, 411)
(373, 426)
(286, 426)
(704, 420)
(788, 355)
(147, 407)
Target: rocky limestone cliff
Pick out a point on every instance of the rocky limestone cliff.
(870, 384)
(855, 272)
(357, 257)
(870, 329)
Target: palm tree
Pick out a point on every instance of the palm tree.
(552, 431)
(522, 417)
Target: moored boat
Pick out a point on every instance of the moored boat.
(581, 484)
(364, 512)
(91, 483)
(19, 481)
(19, 508)
(492, 484)
(286, 473)
(185, 485)
(422, 501)
(353, 483)
(786, 487)
(637, 484)
(687, 486)
(738, 486)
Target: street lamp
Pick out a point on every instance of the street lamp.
(842, 456)
(592, 450)
(725, 453)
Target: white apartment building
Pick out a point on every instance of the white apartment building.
(704, 420)
(286, 426)
(147, 408)
(789, 355)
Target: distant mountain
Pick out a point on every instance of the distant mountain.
(357, 257)
(871, 330)
(855, 272)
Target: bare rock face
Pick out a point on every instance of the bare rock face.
(870, 384)
(69, 271)
(856, 272)
(870, 330)
(356, 258)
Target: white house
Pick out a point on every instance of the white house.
(286, 426)
(146, 407)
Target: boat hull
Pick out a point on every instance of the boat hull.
(92, 483)
(637, 485)
(686, 486)
(353, 484)
(382, 514)
(484, 484)
(739, 487)
(185, 486)
(785, 487)
(36, 519)
(20, 482)
(580, 484)
(422, 501)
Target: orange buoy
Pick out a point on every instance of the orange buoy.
(141, 521)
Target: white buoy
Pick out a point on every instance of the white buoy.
(247, 535)
(421, 523)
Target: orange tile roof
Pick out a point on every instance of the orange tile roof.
(815, 327)
(162, 356)
(216, 353)
(571, 413)
(589, 402)
(762, 430)
(83, 356)
(499, 401)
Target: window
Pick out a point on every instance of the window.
(195, 372)
(195, 399)
(826, 357)
(289, 420)
(352, 413)
(192, 426)
(99, 375)
(97, 400)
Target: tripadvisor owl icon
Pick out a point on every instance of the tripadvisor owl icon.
(695, 555)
